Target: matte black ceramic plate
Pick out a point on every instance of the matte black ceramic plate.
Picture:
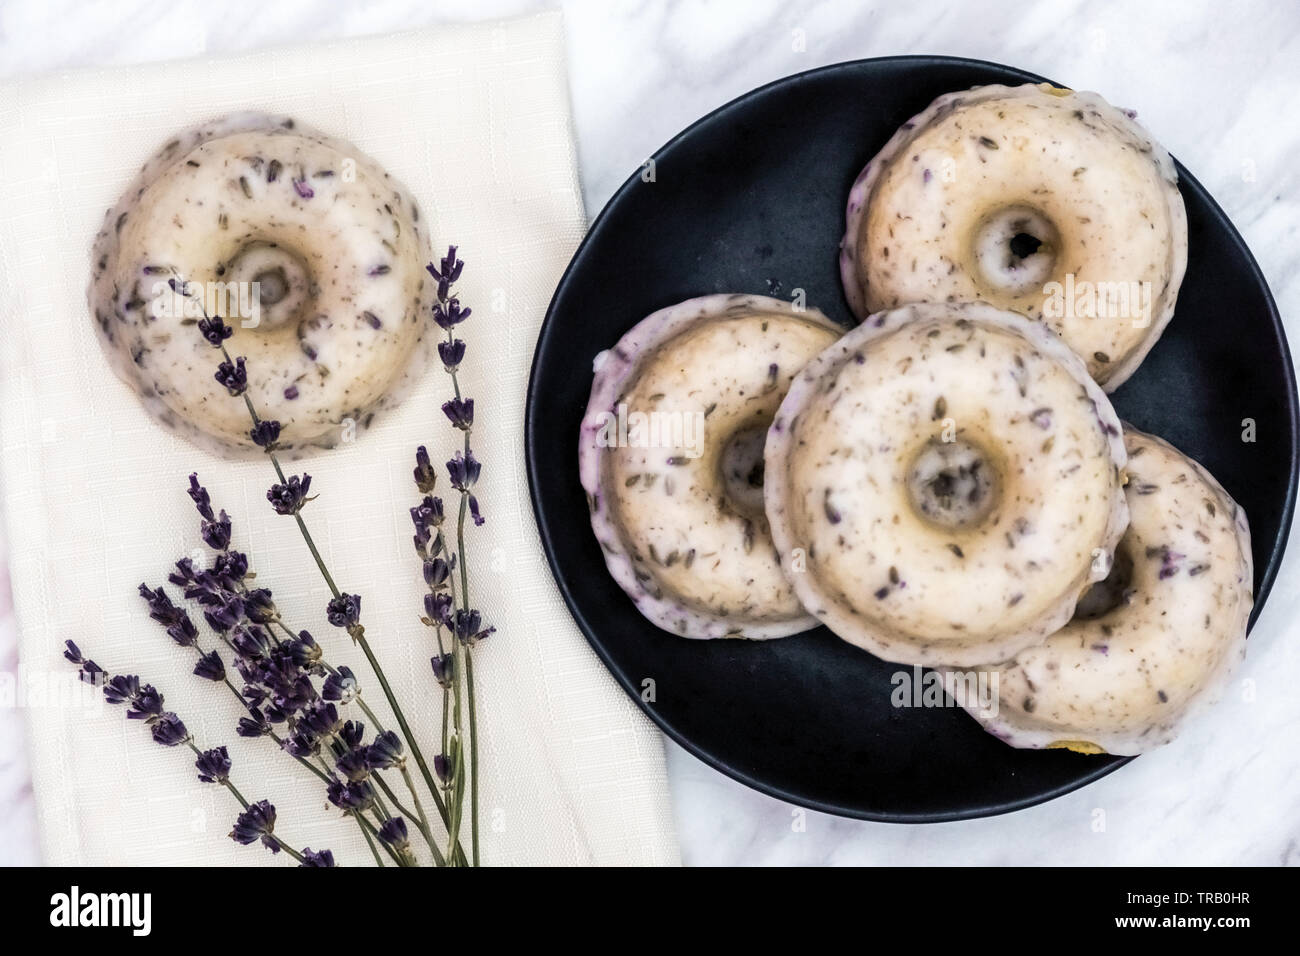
(751, 199)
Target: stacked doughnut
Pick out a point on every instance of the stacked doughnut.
(947, 484)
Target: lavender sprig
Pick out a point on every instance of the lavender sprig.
(257, 821)
(289, 498)
(464, 623)
(278, 674)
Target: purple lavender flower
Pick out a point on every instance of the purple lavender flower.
(393, 832)
(230, 567)
(168, 729)
(216, 534)
(442, 669)
(302, 743)
(437, 607)
(91, 673)
(223, 617)
(449, 271)
(210, 667)
(305, 651)
(213, 765)
(214, 330)
(161, 608)
(310, 858)
(184, 573)
(442, 767)
(426, 516)
(436, 572)
(257, 822)
(425, 477)
(449, 314)
(321, 717)
(468, 627)
(344, 610)
(254, 725)
(302, 189)
(184, 632)
(233, 376)
(452, 354)
(355, 797)
(385, 752)
(259, 607)
(288, 498)
(143, 701)
(265, 433)
(251, 641)
(463, 471)
(460, 412)
(352, 733)
(202, 500)
(341, 686)
(352, 764)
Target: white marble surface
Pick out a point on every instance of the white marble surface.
(1217, 84)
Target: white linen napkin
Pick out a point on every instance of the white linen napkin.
(475, 121)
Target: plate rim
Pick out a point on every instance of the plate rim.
(629, 686)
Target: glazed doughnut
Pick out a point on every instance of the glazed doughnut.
(681, 519)
(337, 250)
(1157, 638)
(1043, 201)
(950, 479)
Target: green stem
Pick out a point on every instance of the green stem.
(473, 754)
(370, 842)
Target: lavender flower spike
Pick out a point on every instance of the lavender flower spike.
(213, 765)
(310, 858)
(344, 610)
(169, 731)
(288, 498)
(460, 412)
(257, 822)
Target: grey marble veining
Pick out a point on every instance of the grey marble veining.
(1216, 84)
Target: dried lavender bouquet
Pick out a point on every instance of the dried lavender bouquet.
(291, 693)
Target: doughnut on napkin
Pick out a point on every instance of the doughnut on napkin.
(474, 120)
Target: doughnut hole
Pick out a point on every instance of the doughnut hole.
(953, 484)
(950, 473)
(283, 286)
(695, 514)
(741, 467)
(1113, 592)
(1014, 249)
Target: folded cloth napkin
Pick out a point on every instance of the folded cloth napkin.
(475, 121)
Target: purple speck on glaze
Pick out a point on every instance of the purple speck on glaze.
(1101, 648)
(927, 176)
(291, 392)
(302, 189)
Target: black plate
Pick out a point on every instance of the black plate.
(751, 199)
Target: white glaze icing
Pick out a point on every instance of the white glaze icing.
(682, 525)
(887, 421)
(932, 216)
(331, 238)
(1126, 680)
